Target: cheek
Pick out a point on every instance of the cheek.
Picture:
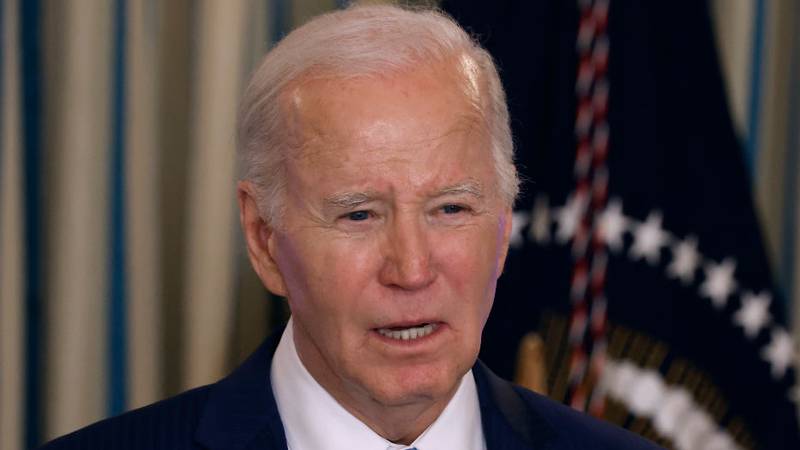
(469, 262)
(325, 277)
(347, 265)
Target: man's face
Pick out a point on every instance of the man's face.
(393, 227)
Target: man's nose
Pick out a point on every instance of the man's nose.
(407, 263)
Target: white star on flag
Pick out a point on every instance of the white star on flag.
(696, 426)
(649, 237)
(518, 222)
(719, 440)
(647, 393)
(685, 260)
(779, 353)
(754, 313)
(719, 282)
(568, 217)
(540, 221)
(612, 225)
(677, 403)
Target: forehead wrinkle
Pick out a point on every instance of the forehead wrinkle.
(466, 122)
(469, 122)
(317, 142)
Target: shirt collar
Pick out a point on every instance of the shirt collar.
(328, 425)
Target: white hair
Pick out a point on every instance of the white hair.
(360, 41)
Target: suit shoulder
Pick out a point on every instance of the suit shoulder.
(581, 430)
(167, 424)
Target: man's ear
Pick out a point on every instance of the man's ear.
(260, 238)
(506, 221)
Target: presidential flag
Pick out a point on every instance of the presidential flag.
(637, 278)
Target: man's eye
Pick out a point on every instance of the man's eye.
(452, 209)
(358, 215)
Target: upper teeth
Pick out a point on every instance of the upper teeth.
(408, 333)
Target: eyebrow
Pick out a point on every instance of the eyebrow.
(472, 188)
(349, 199)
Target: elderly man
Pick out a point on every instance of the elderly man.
(376, 197)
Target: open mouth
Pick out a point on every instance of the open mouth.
(408, 333)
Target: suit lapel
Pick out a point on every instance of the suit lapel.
(508, 422)
(241, 412)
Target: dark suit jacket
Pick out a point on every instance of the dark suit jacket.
(239, 412)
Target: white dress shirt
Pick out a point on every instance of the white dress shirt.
(314, 420)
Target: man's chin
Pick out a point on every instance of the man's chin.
(403, 389)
